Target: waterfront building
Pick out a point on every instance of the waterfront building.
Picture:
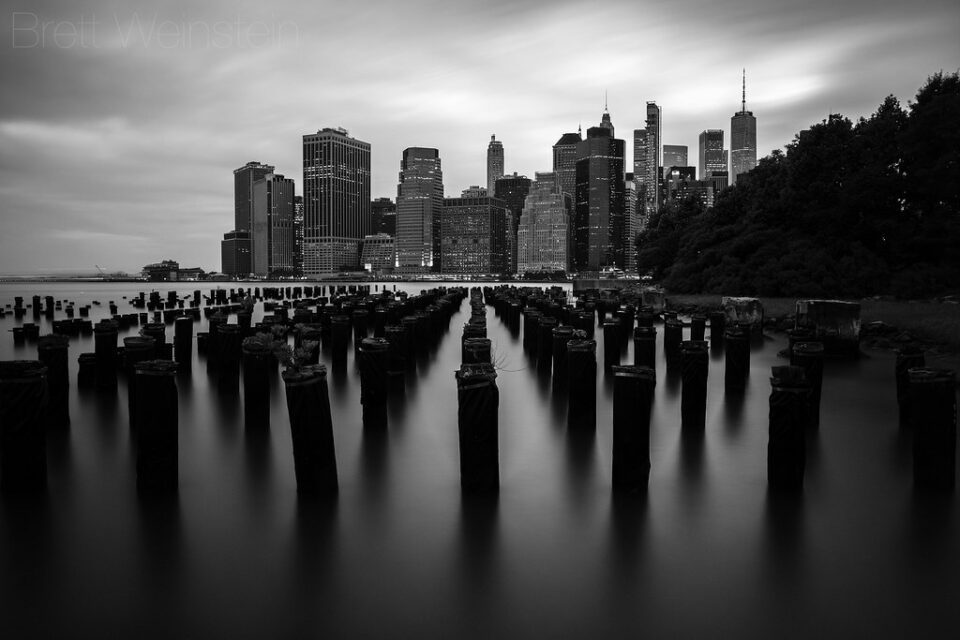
(336, 199)
(419, 206)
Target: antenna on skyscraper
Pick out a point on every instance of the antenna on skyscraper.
(743, 103)
(605, 110)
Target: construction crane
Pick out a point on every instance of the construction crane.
(100, 269)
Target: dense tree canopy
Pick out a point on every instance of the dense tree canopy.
(851, 209)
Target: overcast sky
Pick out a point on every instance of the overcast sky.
(121, 122)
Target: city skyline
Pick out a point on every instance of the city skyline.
(99, 130)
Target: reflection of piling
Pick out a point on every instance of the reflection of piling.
(698, 326)
(561, 336)
(611, 344)
(907, 358)
(87, 370)
(229, 340)
(183, 343)
(477, 421)
(693, 394)
(672, 337)
(786, 451)
(632, 400)
(645, 346)
(736, 340)
(155, 422)
(374, 358)
(257, 360)
(545, 343)
(581, 385)
(933, 417)
(718, 323)
(477, 351)
(52, 351)
(136, 349)
(311, 427)
(105, 346)
(809, 356)
(339, 338)
(23, 444)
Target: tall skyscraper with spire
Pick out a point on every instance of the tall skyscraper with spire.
(494, 163)
(743, 138)
(419, 207)
(599, 218)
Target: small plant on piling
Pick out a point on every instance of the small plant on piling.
(293, 359)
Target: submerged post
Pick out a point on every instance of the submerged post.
(257, 360)
(477, 421)
(632, 400)
(311, 427)
(52, 351)
(645, 346)
(105, 346)
(693, 394)
(23, 442)
(183, 342)
(809, 356)
(786, 451)
(156, 423)
(907, 358)
(374, 361)
(582, 384)
(933, 412)
(736, 356)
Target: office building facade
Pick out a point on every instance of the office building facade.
(565, 162)
(513, 191)
(599, 220)
(543, 228)
(674, 155)
(235, 254)
(336, 199)
(494, 162)
(419, 206)
(473, 236)
(272, 237)
(646, 161)
(743, 138)
(712, 154)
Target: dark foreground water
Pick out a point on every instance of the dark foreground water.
(401, 553)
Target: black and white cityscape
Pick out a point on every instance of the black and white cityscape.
(479, 319)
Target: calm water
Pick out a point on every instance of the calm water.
(401, 553)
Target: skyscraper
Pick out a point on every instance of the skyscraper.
(712, 155)
(243, 179)
(646, 161)
(235, 253)
(598, 225)
(272, 237)
(336, 199)
(674, 155)
(383, 216)
(743, 138)
(473, 235)
(494, 162)
(632, 220)
(513, 191)
(298, 236)
(543, 227)
(419, 205)
(565, 162)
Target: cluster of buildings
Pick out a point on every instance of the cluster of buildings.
(582, 216)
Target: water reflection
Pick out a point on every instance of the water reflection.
(783, 521)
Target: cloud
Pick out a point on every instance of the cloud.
(123, 152)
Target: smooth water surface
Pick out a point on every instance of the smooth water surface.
(401, 553)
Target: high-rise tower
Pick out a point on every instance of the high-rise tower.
(336, 200)
(743, 138)
(565, 162)
(494, 163)
(712, 156)
(272, 234)
(646, 161)
(599, 219)
(419, 206)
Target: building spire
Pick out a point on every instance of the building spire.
(605, 110)
(743, 99)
